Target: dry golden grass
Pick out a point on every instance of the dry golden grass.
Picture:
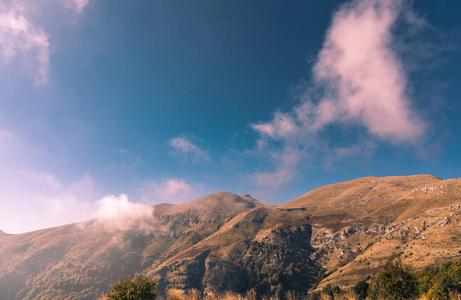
(326, 297)
(350, 295)
(175, 294)
(290, 295)
(251, 295)
(193, 294)
(230, 296)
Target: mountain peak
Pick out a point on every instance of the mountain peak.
(220, 202)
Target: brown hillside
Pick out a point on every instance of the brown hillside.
(359, 224)
(336, 234)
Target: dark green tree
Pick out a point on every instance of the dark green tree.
(137, 288)
(394, 283)
(361, 289)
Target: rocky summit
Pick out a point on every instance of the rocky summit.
(338, 234)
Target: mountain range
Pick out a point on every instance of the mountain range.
(338, 234)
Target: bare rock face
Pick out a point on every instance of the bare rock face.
(337, 234)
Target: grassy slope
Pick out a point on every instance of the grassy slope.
(360, 223)
(348, 228)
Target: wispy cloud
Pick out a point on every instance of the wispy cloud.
(5, 133)
(363, 77)
(173, 190)
(359, 82)
(21, 39)
(24, 42)
(282, 176)
(183, 146)
(127, 162)
(76, 5)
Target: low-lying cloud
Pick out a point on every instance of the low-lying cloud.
(37, 199)
(117, 213)
(358, 81)
(47, 202)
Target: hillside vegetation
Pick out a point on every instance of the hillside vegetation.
(336, 235)
(393, 282)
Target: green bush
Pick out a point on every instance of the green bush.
(394, 283)
(361, 289)
(331, 291)
(440, 281)
(136, 288)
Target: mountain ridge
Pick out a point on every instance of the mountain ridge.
(337, 234)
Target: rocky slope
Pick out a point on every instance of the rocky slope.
(359, 224)
(336, 234)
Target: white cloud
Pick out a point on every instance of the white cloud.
(24, 42)
(275, 179)
(183, 146)
(35, 200)
(361, 82)
(171, 191)
(76, 5)
(21, 39)
(283, 126)
(362, 74)
(286, 160)
(117, 213)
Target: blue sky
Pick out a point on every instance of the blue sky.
(166, 101)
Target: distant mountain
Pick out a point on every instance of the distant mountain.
(336, 234)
